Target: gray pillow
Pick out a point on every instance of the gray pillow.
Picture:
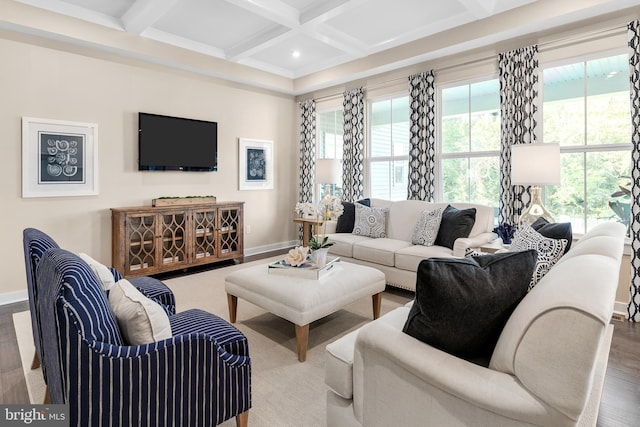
(370, 222)
(426, 229)
(455, 223)
(462, 304)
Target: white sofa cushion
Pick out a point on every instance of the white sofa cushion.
(409, 258)
(343, 243)
(339, 354)
(338, 371)
(379, 251)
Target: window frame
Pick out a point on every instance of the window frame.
(583, 149)
(439, 154)
(318, 190)
(368, 159)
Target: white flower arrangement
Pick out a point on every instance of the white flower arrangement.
(306, 210)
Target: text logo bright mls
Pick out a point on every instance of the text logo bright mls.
(37, 415)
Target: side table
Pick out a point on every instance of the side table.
(493, 246)
(308, 226)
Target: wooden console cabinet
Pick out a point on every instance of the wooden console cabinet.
(149, 240)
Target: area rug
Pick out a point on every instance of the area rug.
(284, 391)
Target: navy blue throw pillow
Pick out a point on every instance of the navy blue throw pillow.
(455, 223)
(462, 304)
(348, 217)
(554, 230)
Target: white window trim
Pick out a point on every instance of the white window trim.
(367, 142)
(584, 148)
(440, 156)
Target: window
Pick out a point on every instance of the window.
(470, 143)
(388, 158)
(586, 110)
(330, 131)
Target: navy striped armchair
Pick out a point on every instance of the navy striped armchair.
(35, 243)
(201, 376)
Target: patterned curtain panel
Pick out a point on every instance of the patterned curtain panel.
(518, 105)
(633, 309)
(353, 145)
(422, 142)
(307, 153)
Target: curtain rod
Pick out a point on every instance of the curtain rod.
(542, 46)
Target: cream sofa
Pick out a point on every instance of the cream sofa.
(395, 255)
(547, 368)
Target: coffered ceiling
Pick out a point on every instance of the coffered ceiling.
(296, 39)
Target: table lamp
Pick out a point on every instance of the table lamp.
(328, 171)
(535, 165)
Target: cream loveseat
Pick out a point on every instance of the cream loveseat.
(395, 255)
(547, 368)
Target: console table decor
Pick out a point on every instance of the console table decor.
(148, 240)
(180, 201)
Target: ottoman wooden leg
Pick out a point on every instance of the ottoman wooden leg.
(376, 299)
(302, 338)
(232, 301)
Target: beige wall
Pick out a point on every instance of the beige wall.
(43, 82)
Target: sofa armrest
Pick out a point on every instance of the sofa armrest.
(391, 363)
(461, 244)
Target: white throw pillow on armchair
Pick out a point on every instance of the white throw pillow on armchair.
(140, 319)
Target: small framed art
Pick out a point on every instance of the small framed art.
(256, 164)
(59, 158)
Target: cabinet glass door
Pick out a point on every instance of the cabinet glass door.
(173, 234)
(229, 231)
(141, 251)
(204, 245)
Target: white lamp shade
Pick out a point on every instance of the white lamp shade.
(328, 171)
(535, 164)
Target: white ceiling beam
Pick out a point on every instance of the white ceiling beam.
(336, 39)
(144, 13)
(273, 10)
(479, 8)
(257, 43)
(322, 11)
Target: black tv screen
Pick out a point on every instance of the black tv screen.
(176, 144)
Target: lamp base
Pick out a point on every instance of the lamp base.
(535, 210)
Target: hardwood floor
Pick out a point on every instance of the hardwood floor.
(620, 405)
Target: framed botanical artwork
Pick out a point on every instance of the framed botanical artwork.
(256, 164)
(59, 158)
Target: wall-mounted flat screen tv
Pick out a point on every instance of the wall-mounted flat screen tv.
(176, 144)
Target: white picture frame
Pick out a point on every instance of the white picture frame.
(255, 171)
(59, 158)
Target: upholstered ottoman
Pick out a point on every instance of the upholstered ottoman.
(301, 301)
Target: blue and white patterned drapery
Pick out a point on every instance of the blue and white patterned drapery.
(307, 153)
(518, 106)
(353, 145)
(422, 142)
(633, 309)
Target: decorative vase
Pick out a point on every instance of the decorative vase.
(319, 257)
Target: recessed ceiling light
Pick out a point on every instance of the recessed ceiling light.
(295, 54)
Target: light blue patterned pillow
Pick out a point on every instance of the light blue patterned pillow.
(549, 250)
(426, 229)
(370, 222)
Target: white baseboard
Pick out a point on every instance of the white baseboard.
(620, 309)
(268, 248)
(12, 297)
